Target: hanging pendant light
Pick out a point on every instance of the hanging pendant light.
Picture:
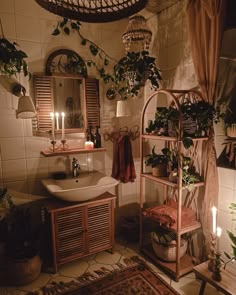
(137, 34)
(93, 11)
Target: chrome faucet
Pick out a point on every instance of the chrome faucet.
(75, 167)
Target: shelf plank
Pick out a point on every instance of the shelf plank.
(165, 180)
(185, 229)
(169, 138)
(186, 263)
(49, 153)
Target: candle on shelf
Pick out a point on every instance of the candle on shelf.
(89, 145)
(62, 126)
(53, 126)
(57, 120)
(214, 219)
(218, 231)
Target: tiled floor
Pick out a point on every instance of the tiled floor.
(186, 285)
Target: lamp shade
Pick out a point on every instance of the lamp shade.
(26, 109)
(122, 109)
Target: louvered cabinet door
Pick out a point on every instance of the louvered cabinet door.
(100, 228)
(70, 239)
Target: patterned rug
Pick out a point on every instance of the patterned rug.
(132, 277)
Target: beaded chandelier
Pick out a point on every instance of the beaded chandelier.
(93, 11)
(137, 34)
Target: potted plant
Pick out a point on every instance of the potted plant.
(12, 60)
(23, 261)
(133, 70)
(158, 162)
(232, 237)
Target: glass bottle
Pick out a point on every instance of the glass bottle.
(90, 136)
(97, 139)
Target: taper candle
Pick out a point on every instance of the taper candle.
(57, 120)
(62, 126)
(53, 126)
(214, 219)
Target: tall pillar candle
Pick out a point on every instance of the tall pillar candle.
(57, 120)
(214, 219)
(62, 126)
(53, 126)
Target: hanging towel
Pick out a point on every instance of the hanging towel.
(123, 164)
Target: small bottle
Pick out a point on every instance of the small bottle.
(90, 136)
(97, 139)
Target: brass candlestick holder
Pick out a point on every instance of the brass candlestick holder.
(63, 145)
(53, 146)
(212, 255)
(216, 268)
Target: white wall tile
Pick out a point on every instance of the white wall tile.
(18, 191)
(27, 28)
(12, 148)
(34, 145)
(26, 8)
(9, 30)
(37, 168)
(7, 6)
(14, 127)
(14, 170)
(36, 190)
(226, 177)
(226, 196)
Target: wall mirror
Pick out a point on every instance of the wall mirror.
(65, 88)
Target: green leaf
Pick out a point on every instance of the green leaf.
(93, 49)
(67, 31)
(74, 26)
(187, 142)
(56, 32)
(106, 62)
(83, 42)
(227, 255)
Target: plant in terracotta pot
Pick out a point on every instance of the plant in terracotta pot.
(158, 162)
(12, 60)
(24, 263)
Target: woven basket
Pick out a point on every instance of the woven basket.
(23, 271)
(159, 170)
(167, 252)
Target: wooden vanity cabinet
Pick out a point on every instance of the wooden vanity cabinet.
(80, 229)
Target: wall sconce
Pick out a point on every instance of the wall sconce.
(26, 108)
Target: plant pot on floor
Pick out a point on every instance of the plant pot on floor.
(23, 271)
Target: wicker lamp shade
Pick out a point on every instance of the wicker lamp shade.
(93, 11)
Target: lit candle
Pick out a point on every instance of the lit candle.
(53, 126)
(62, 126)
(214, 219)
(89, 145)
(57, 120)
(218, 231)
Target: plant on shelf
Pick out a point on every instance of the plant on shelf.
(158, 162)
(232, 239)
(12, 60)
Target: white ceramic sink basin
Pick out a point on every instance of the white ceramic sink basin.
(82, 188)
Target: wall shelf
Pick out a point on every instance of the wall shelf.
(49, 153)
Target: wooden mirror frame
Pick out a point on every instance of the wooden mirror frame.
(75, 68)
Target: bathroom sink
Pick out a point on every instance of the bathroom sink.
(86, 186)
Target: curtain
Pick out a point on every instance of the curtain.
(205, 23)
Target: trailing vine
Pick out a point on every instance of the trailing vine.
(128, 72)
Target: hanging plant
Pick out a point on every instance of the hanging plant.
(129, 74)
(12, 60)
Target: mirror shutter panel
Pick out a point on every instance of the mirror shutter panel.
(43, 93)
(92, 102)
